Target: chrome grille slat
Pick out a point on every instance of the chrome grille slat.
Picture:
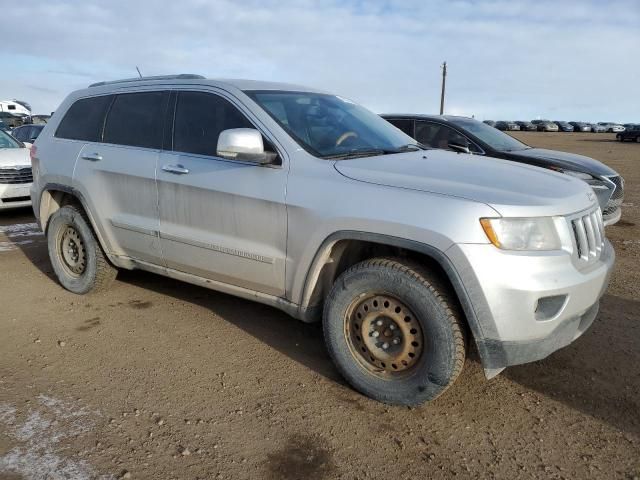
(588, 236)
(583, 247)
(16, 176)
(596, 230)
(591, 238)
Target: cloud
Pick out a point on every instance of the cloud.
(573, 60)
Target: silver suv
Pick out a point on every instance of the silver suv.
(310, 203)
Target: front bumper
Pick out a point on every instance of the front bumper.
(509, 290)
(14, 195)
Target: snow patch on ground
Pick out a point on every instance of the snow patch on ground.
(18, 231)
(39, 455)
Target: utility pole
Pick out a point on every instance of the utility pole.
(444, 81)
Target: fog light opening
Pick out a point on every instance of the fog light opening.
(548, 308)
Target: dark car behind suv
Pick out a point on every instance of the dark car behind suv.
(463, 134)
(630, 133)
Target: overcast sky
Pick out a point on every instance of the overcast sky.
(571, 60)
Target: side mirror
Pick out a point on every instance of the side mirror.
(243, 144)
(458, 147)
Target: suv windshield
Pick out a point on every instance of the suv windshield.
(494, 138)
(329, 126)
(7, 141)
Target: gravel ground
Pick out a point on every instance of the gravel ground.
(158, 379)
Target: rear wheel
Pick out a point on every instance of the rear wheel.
(394, 332)
(76, 256)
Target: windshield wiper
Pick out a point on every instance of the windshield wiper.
(364, 152)
(367, 152)
(411, 147)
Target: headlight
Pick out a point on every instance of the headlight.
(537, 233)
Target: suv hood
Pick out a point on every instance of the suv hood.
(509, 188)
(11, 157)
(564, 160)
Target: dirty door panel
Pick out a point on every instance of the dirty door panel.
(219, 219)
(118, 174)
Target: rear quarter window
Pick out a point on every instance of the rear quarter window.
(84, 119)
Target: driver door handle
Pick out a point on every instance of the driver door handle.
(93, 157)
(176, 169)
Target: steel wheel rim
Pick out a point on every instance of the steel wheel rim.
(72, 252)
(384, 335)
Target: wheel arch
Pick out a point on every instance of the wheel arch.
(342, 249)
(53, 197)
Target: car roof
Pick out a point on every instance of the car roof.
(190, 79)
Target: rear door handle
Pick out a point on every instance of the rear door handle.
(94, 157)
(177, 169)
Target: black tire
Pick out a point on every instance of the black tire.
(88, 270)
(433, 308)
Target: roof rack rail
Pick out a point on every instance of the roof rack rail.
(182, 76)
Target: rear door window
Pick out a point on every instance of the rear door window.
(199, 119)
(137, 119)
(85, 119)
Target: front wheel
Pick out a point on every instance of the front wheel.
(394, 331)
(76, 255)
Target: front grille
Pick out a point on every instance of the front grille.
(588, 236)
(14, 176)
(16, 199)
(617, 196)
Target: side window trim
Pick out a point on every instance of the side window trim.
(104, 119)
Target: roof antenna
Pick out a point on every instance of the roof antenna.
(138, 71)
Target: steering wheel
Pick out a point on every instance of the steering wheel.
(344, 136)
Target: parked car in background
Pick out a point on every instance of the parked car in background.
(27, 133)
(4, 127)
(15, 173)
(526, 126)
(564, 126)
(612, 127)
(40, 119)
(491, 123)
(507, 125)
(632, 133)
(628, 126)
(423, 253)
(464, 134)
(597, 128)
(545, 125)
(11, 120)
(580, 126)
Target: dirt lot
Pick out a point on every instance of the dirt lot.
(158, 379)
